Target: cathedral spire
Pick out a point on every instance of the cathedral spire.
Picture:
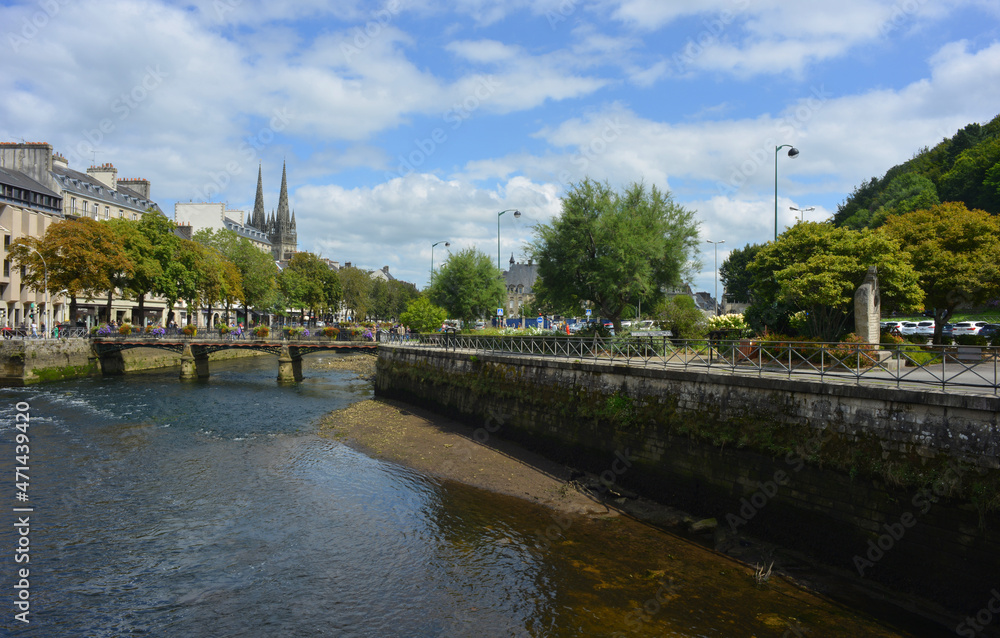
(283, 199)
(258, 219)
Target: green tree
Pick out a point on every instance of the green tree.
(356, 285)
(401, 293)
(468, 286)
(905, 193)
(134, 277)
(735, 274)
(159, 231)
(682, 317)
(80, 255)
(308, 283)
(817, 268)
(613, 249)
(969, 179)
(423, 316)
(954, 251)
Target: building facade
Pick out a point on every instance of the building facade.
(520, 281)
(27, 208)
(43, 176)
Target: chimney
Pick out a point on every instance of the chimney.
(347, 264)
(34, 159)
(106, 174)
(385, 269)
(139, 185)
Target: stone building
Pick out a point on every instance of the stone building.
(26, 209)
(520, 281)
(279, 227)
(39, 189)
(97, 194)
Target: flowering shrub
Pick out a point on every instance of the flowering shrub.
(728, 322)
(158, 331)
(297, 331)
(368, 335)
(223, 329)
(330, 331)
(190, 330)
(125, 329)
(261, 331)
(104, 331)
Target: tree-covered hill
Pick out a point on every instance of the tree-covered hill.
(965, 168)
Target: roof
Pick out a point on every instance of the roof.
(247, 232)
(84, 185)
(521, 275)
(21, 181)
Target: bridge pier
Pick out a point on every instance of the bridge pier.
(193, 366)
(289, 367)
(112, 363)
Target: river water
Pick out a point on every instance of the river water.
(214, 509)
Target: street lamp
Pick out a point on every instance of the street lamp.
(716, 245)
(802, 217)
(517, 213)
(48, 322)
(792, 152)
(446, 244)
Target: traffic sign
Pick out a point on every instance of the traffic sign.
(499, 312)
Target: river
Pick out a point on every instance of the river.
(161, 508)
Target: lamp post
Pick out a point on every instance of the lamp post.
(716, 245)
(792, 152)
(803, 211)
(48, 323)
(517, 213)
(446, 244)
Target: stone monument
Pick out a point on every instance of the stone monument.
(868, 308)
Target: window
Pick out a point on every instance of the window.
(95, 210)
(107, 212)
(135, 216)
(6, 241)
(72, 205)
(121, 213)
(6, 268)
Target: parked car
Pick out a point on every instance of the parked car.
(990, 330)
(968, 327)
(925, 328)
(895, 327)
(948, 330)
(907, 328)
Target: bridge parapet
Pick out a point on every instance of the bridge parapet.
(195, 351)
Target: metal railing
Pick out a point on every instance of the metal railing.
(966, 368)
(276, 336)
(25, 333)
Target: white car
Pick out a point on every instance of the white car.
(968, 328)
(925, 328)
(907, 328)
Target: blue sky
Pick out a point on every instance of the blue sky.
(408, 122)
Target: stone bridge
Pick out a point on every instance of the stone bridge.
(194, 351)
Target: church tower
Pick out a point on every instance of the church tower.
(280, 226)
(258, 220)
(284, 242)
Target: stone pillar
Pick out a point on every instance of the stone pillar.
(289, 368)
(868, 308)
(112, 363)
(188, 370)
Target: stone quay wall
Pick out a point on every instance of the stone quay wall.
(889, 486)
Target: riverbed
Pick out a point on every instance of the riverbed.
(222, 508)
